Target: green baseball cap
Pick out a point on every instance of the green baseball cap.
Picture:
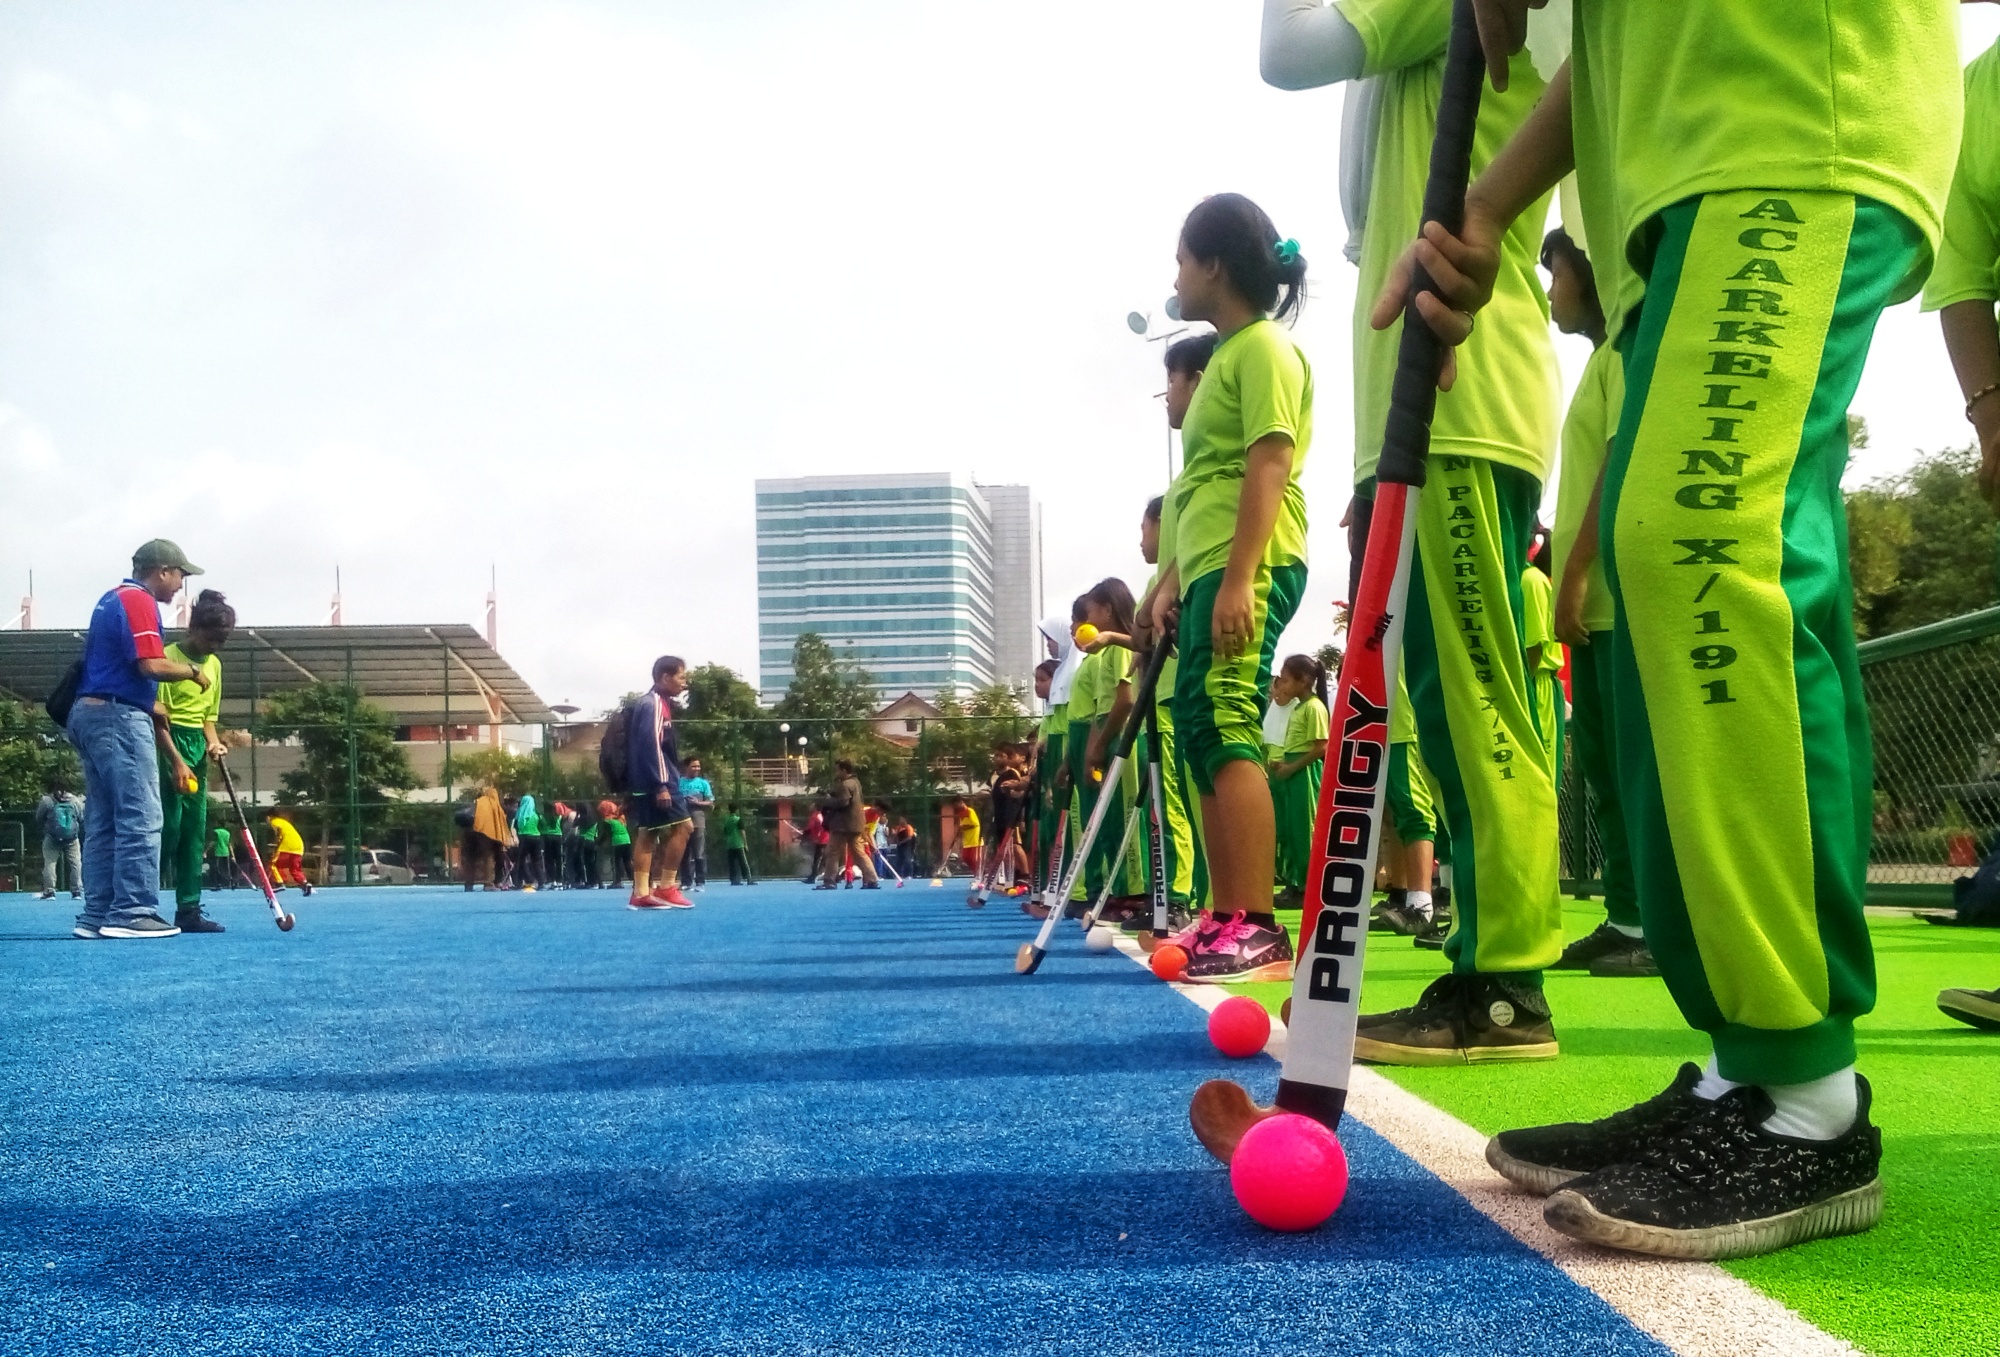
(160, 554)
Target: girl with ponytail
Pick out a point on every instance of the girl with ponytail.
(1239, 559)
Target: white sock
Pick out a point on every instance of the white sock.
(1420, 901)
(1713, 1085)
(1632, 931)
(1820, 1109)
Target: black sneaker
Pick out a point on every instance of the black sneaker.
(46, 895)
(1239, 950)
(1975, 1007)
(1403, 920)
(194, 921)
(1636, 959)
(1543, 1158)
(1602, 941)
(306, 889)
(1432, 938)
(1461, 1020)
(1727, 1188)
(139, 926)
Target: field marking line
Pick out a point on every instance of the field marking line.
(1696, 1309)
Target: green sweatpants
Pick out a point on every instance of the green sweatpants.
(1593, 740)
(1411, 808)
(1294, 803)
(1177, 840)
(1050, 812)
(1742, 742)
(1475, 719)
(1102, 862)
(1219, 704)
(184, 823)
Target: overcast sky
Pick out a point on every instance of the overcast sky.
(428, 287)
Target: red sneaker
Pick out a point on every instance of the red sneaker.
(646, 902)
(671, 898)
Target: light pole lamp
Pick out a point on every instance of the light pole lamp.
(1141, 324)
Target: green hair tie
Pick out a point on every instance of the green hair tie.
(1288, 250)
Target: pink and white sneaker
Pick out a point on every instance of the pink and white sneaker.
(672, 898)
(1189, 939)
(1240, 950)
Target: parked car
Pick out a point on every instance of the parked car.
(379, 867)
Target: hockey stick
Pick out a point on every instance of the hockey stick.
(989, 868)
(1089, 921)
(1030, 956)
(1333, 932)
(1052, 868)
(262, 880)
(1156, 859)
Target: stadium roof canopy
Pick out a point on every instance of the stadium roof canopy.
(422, 675)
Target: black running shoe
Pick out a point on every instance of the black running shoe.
(1636, 959)
(194, 921)
(1403, 920)
(1600, 942)
(1461, 1020)
(1976, 1007)
(1543, 1158)
(1727, 1188)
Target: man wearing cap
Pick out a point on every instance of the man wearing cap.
(112, 727)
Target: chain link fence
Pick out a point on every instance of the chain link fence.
(1934, 716)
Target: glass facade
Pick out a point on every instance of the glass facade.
(896, 572)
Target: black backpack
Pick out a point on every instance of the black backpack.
(614, 750)
(64, 697)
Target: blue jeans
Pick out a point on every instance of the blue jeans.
(121, 812)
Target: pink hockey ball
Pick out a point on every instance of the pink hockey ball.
(1289, 1172)
(1239, 1027)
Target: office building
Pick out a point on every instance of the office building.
(925, 580)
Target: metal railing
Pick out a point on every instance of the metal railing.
(1933, 697)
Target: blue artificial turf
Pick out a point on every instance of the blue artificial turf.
(785, 1122)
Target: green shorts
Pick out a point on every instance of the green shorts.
(1219, 705)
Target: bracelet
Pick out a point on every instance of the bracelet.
(1981, 394)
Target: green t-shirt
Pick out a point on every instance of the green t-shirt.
(551, 824)
(1968, 261)
(1095, 686)
(1257, 383)
(1848, 96)
(186, 702)
(1056, 722)
(1503, 405)
(589, 833)
(620, 835)
(732, 830)
(219, 839)
(1587, 431)
(1307, 725)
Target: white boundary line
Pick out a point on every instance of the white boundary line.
(1696, 1309)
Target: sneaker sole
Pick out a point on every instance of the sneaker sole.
(1971, 1009)
(1387, 1053)
(1270, 970)
(135, 933)
(1536, 1178)
(1849, 1213)
(87, 934)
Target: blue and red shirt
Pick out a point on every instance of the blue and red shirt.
(124, 629)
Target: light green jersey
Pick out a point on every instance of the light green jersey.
(1503, 405)
(1307, 726)
(1538, 619)
(1257, 383)
(1846, 96)
(1968, 260)
(186, 702)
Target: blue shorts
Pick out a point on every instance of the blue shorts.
(642, 811)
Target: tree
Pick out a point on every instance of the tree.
(995, 714)
(825, 687)
(32, 751)
(511, 773)
(335, 727)
(723, 723)
(1921, 544)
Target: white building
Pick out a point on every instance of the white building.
(924, 580)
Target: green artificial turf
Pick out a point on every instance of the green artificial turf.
(1926, 1281)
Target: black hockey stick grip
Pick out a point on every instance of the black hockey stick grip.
(1406, 440)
